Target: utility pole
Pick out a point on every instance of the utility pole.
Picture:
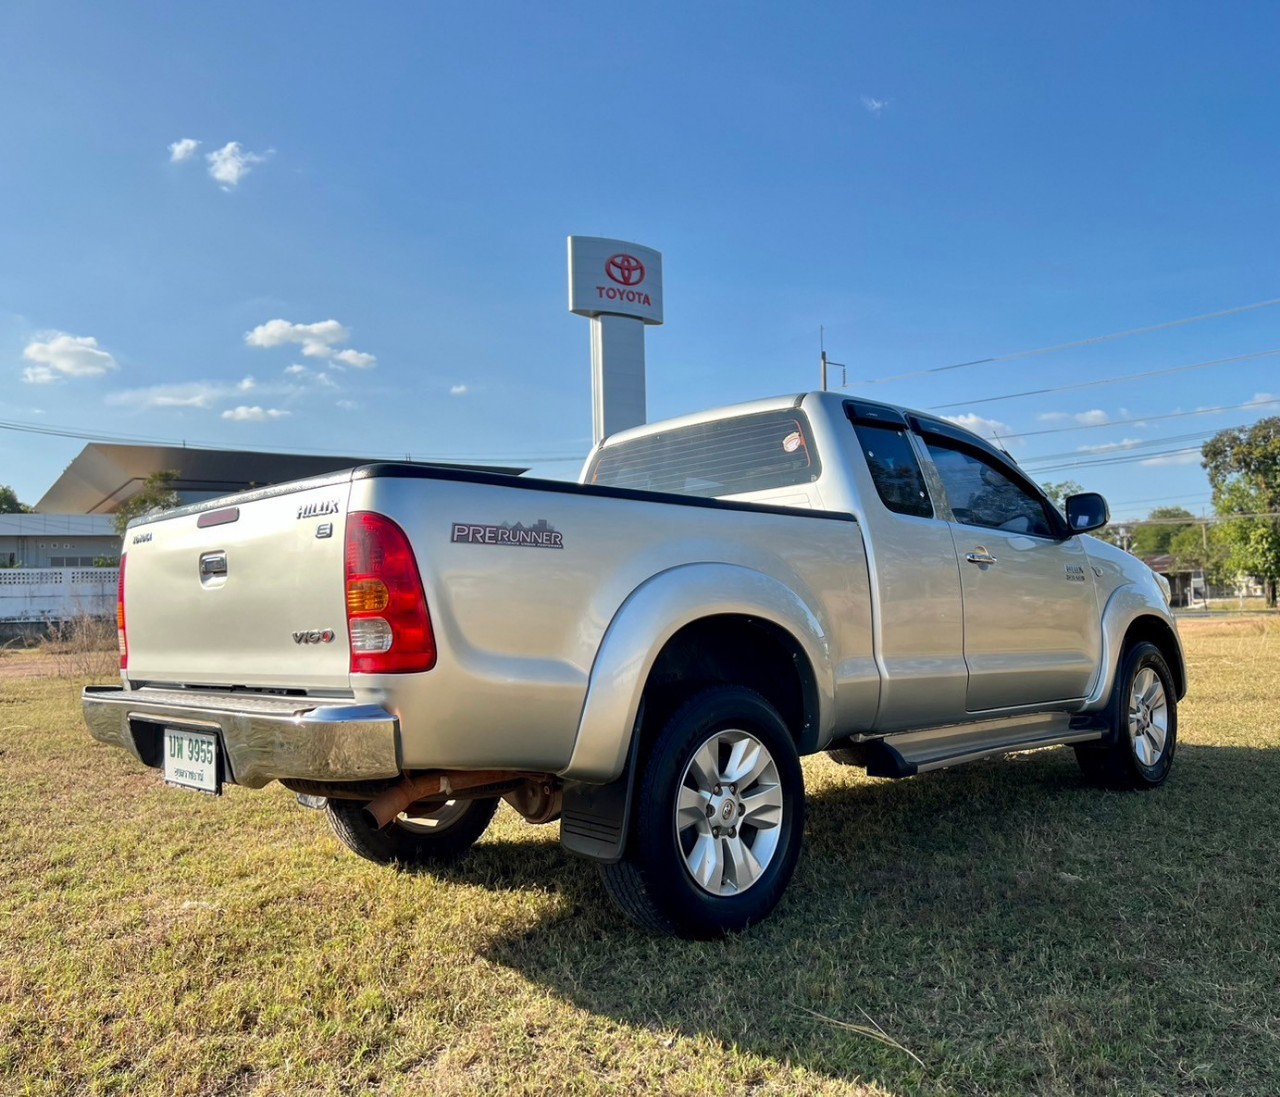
(825, 362)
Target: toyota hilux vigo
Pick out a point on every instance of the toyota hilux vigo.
(645, 655)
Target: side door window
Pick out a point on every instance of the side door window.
(981, 494)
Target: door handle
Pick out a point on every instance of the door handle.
(213, 563)
(981, 557)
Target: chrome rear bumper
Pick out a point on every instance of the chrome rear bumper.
(264, 738)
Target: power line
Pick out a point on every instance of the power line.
(111, 438)
(1165, 498)
(1196, 520)
(1116, 447)
(1121, 460)
(1076, 343)
(1109, 380)
(1144, 419)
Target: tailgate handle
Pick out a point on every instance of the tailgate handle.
(213, 563)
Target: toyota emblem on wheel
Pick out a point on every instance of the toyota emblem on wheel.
(625, 269)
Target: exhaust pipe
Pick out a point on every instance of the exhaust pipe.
(389, 803)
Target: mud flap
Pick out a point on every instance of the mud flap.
(596, 818)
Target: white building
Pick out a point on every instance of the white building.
(57, 540)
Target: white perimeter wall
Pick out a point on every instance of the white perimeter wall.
(56, 594)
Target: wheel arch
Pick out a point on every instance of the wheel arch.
(1155, 631)
(736, 649)
(1130, 618)
(703, 624)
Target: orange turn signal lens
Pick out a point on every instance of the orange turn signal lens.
(367, 596)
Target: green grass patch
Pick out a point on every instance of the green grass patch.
(1014, 929)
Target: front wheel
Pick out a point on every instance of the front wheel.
(1143, 718)
(436, 838)
(720, 812)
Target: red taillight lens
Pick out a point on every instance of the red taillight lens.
(120, 634)
(387, 619)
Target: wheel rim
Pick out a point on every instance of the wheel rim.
(729, 813)
(442, 818)
(1148, 717)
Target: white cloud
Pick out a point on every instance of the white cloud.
(988, 428)
(1262, 398)
(458, 390)
(191, 394)
(57, 355)
(244, 414)
(315, 339)
(315, 377)
(183, 150)
(1188, 457)
(318, 340)
(346, 405)
(874, 105)
(1093, 418)
(356, 358)
(1107, 447)
(247, 384)
(229, 164)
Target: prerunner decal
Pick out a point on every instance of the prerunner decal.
(538, 535)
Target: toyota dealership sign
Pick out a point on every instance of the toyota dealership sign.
(614, 278)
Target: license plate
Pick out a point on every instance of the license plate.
(191, 760)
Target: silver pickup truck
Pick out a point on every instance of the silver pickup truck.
(645, 655)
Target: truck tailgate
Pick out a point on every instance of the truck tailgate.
(247, 592)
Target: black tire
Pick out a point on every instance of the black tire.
(454, 829)
(654, 883)
(1129, 759)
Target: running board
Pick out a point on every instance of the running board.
(914, 752)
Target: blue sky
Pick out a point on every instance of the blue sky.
(931, 183)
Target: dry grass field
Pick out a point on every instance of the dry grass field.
(1013, 930)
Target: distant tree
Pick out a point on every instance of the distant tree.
(1058, 492)
(1244, 470)
(9, 502)
(1198, 548)
(1154, 540)
(157, 494)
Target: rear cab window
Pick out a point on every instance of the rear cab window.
(891, 459)
(772, 449)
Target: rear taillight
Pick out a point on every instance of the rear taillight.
(387, 619)
(120, 635)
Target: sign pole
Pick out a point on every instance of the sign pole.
(618, 286)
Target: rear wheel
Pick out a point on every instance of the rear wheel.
(720, 811)
(1143, 718)
(436, 838)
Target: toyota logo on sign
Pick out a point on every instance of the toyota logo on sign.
(625, 269)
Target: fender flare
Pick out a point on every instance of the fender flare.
(653, 613)
(1126, 605)
(600, 776)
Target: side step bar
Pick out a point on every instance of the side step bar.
(914, 752)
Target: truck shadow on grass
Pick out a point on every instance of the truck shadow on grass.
(1012, 927)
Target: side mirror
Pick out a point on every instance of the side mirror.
(1087, 511)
